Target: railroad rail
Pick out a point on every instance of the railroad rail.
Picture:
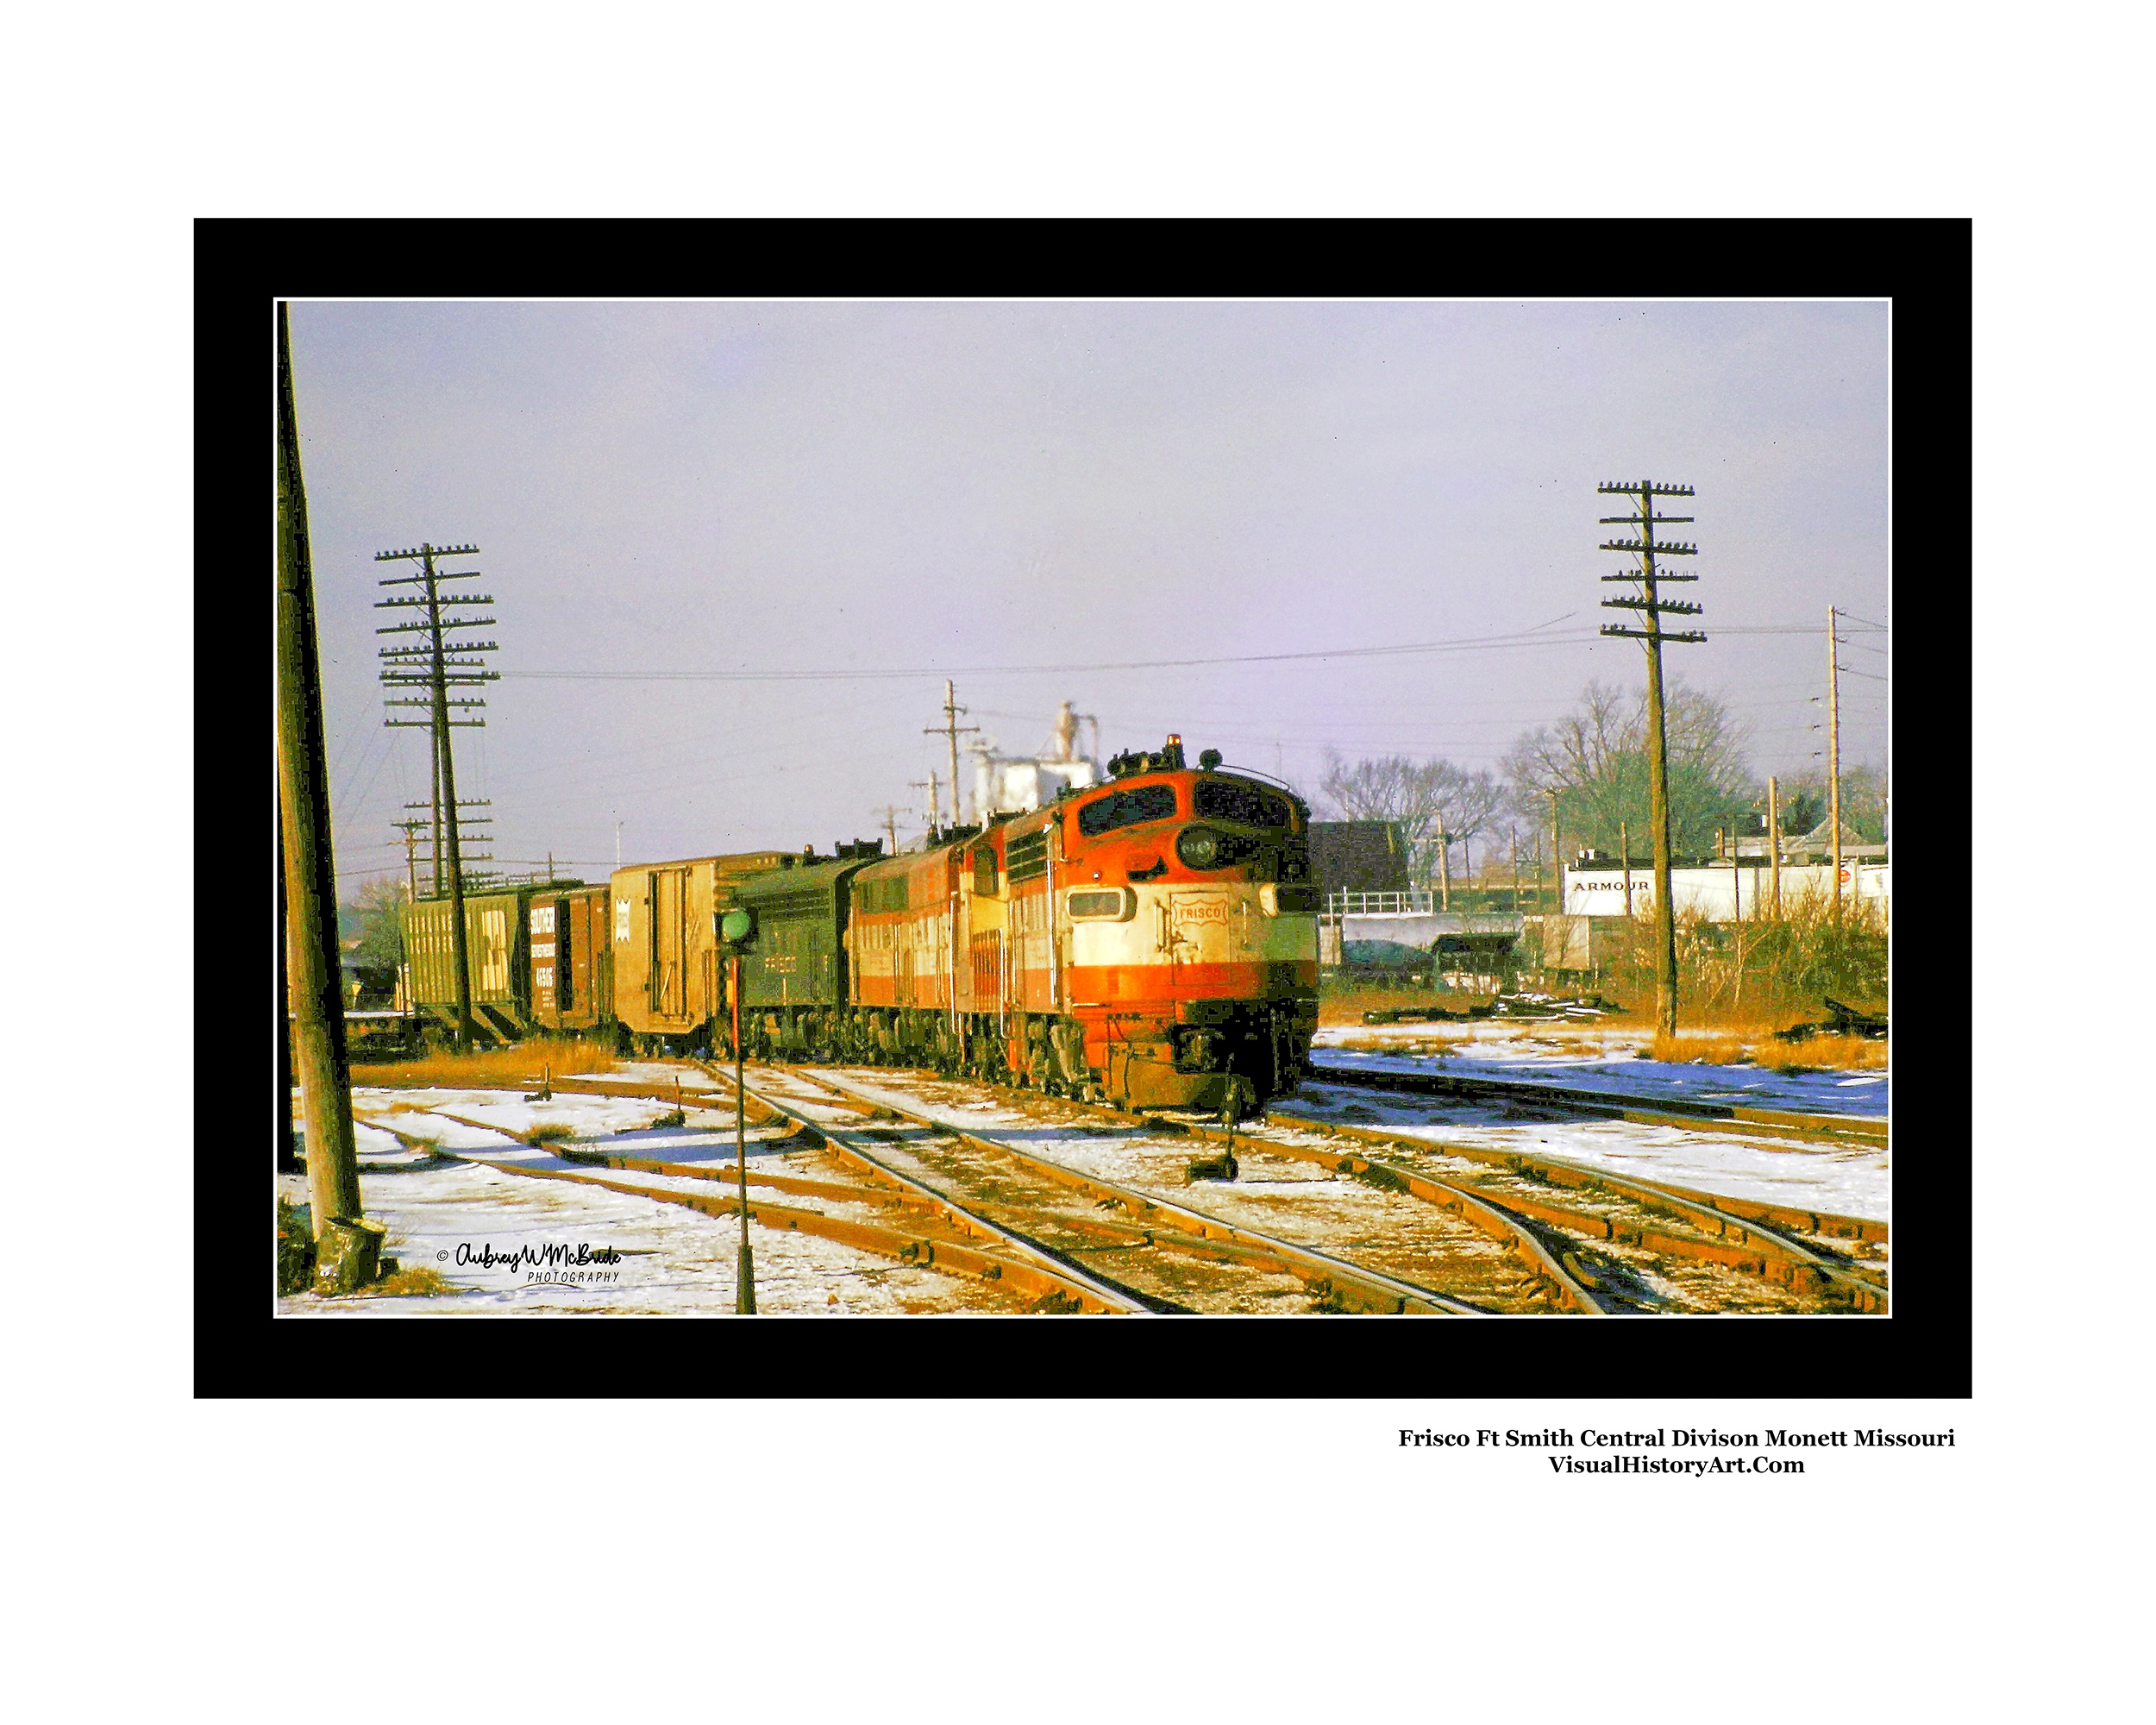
(1735, 1234)
(1613, 1104)
(1371, 1290)
(1742, 1238)
(1748, 1236)
(1055, 1287)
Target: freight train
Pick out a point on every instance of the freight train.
(1151, 941)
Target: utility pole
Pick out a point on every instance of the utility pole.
(950, 727)
(891, 824)
(427, 665)
(930, 785)
(1444, 868)
(1773, 842)
(436, 883)
(319, 1055)
(410, 829)
(1833, 751)
(1624, 844)
(1557, 853)
(1646, 547)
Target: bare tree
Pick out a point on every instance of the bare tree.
(1423, 799)
(1595, 759)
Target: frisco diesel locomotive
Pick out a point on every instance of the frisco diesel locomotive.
(1153, 940)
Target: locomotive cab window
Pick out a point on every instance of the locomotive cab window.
(1245, 805)
(1126, 808)
(1103, 904)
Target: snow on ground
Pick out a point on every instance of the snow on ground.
(1846, 1180)
(1593, 1059)
(1128, 1156)
(507, 1242)
(657, 1074)
(414, 1111)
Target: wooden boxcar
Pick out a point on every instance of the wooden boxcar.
(497, 950)
(667, 989)
(572, 960)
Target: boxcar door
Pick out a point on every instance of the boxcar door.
(547, 930)
(669, 942)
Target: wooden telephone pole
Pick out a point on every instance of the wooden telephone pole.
(319, 1055)
(891, 814)
(1834, 750)
(950, 727)
(1774, 841)
(427, 666)
(1648, 547)
(411, 830)
(929, 785)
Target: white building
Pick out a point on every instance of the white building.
(1012, 784)
(1721, 892)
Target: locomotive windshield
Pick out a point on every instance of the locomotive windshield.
(1245, 805)
(1126, 808)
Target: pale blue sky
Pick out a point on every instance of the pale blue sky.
(970, 489)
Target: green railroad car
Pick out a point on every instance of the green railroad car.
(794, 983)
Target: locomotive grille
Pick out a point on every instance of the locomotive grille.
(794, 907)
(1025, 858)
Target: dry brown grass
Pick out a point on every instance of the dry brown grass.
(483, 1068)
(414, 1279)
(1757, 1045)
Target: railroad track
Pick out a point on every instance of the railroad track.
(1173, 1256)
(1402, 1262)
(928, 1238)
(1784, 1123)
(1615, 1241)
(1602, 1250)
(1656, 1221)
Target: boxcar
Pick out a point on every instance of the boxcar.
(572, 960)
(668, 990)
(497, 950)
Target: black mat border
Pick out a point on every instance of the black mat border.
(1924, 266)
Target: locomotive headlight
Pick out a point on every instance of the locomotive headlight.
(1200, 847)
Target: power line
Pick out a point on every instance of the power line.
(1532, 638)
